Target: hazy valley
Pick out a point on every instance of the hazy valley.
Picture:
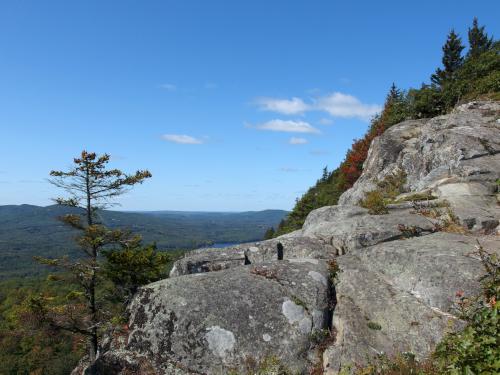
(26, 231)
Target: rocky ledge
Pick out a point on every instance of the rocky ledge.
(380, 283)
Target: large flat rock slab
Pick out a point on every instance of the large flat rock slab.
(210, 323)
(293, 246)
(397, 296)
(351, 227)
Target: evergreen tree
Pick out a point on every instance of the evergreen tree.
(325, 175)
(269, 233)
(394, 93)
(479, 41)
(452, 59)
(91, 186)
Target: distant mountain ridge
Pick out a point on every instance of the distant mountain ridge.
(28, 230)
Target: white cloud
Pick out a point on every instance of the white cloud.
(182, 139)
(325, 121)
(288, 126)
(168, 86)
(292, 106)
(336, 104)
(344, 105)
(297, 141)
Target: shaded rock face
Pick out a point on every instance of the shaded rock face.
(223, 309)
(456, 157)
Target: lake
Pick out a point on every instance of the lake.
(223, 244)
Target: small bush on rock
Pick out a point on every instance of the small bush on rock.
(476, 349)
(392, 185)
(272, 366)
(374, 325)
(375, 203)
(417, 197)
(402, 364)
(334, 270)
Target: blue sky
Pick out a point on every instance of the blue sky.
(232, 105)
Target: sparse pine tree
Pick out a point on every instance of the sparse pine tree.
(394, 93)
(452, 59)
(91, 186)
(479, 41)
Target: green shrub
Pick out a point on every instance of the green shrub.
(272, 366)
(375, 203)
(387, 190)
(402, 364)
(299, 302)
(417, 197)
(375, 326)
(392, 185)
(334, 270)
(476, 349)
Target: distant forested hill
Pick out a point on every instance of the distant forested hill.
(28, 230)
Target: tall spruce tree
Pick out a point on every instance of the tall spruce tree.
(452, 59)
(479, 41)
(91, 186)
(394, 93)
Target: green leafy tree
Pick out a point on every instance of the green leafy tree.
(133, 266)
(91, 186)
(479, 41)
(452, 59)
(426, 102)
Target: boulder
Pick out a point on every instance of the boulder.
(398, 296)
(215, 322)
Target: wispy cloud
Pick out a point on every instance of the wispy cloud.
(288, 126)
(182, 139)
(343, 105)
(297, 141)
(168, 86)
(336, 104)
(292, 106)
